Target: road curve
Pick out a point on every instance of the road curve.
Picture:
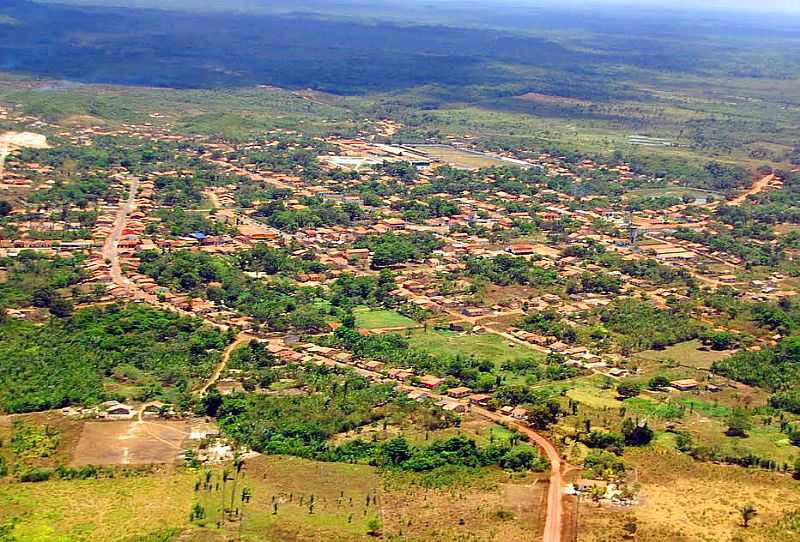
(553, 521)
(226, 356)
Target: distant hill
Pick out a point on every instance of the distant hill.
(592, 55)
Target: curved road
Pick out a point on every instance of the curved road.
(553, 521)
(226, 356)
(555, 511)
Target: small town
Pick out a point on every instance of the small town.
(418, 276)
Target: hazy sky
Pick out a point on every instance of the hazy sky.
(749, 5)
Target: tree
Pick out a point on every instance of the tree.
(747, 513)
(5, 208)
(626, 390)
(722, 340)
(738, 423)
(635, 434)
(212, 402)
(397, 451)
(658, 382)
(374, 527)
(597, 492)
(61, 308)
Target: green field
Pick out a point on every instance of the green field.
(687, 353)
(674, 191)
(96, 510)
(484, 346)
(381, 319)
(460, 158)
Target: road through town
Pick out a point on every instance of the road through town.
(110, 247)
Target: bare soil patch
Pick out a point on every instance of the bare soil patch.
(130, 443)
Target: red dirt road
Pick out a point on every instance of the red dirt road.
(757, 187)
(555, 513)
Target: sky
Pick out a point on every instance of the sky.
(774, 6)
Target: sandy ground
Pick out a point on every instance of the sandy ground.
(130, 442)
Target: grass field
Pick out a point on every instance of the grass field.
(460, 158)
(683, 500)
(381, 319)
(96, 510)
(687, 353)
(345, 497)
(675, 191)
(483, 346)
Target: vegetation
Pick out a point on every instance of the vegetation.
(69, 361)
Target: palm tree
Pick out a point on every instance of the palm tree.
(748, 512)
(226, 475)
(238, 464)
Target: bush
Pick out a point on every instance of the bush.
(523, 458)
(626, 390)
(35, 475)
(658, 382)
(603, 464)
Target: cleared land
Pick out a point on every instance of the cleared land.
(685, 500)
(689, 353)
(130, 443)
(458, 157)
(473, 507)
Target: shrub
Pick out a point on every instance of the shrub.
(35, 475)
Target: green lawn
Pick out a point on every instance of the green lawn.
(377, 319)
(686, 353)
(485, 346)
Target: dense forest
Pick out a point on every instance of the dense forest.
(78, 360)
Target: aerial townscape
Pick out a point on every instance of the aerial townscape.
(411, 271)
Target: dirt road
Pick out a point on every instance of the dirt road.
(757, 187)
(555, 513)
(110, 251)
(226, 356)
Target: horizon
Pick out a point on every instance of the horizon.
(766, 7)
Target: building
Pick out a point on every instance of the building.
(430, 381)
(686, 384)
(459, 392)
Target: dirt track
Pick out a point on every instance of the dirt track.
(226, 356)
(555, 512)
(757, 188)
